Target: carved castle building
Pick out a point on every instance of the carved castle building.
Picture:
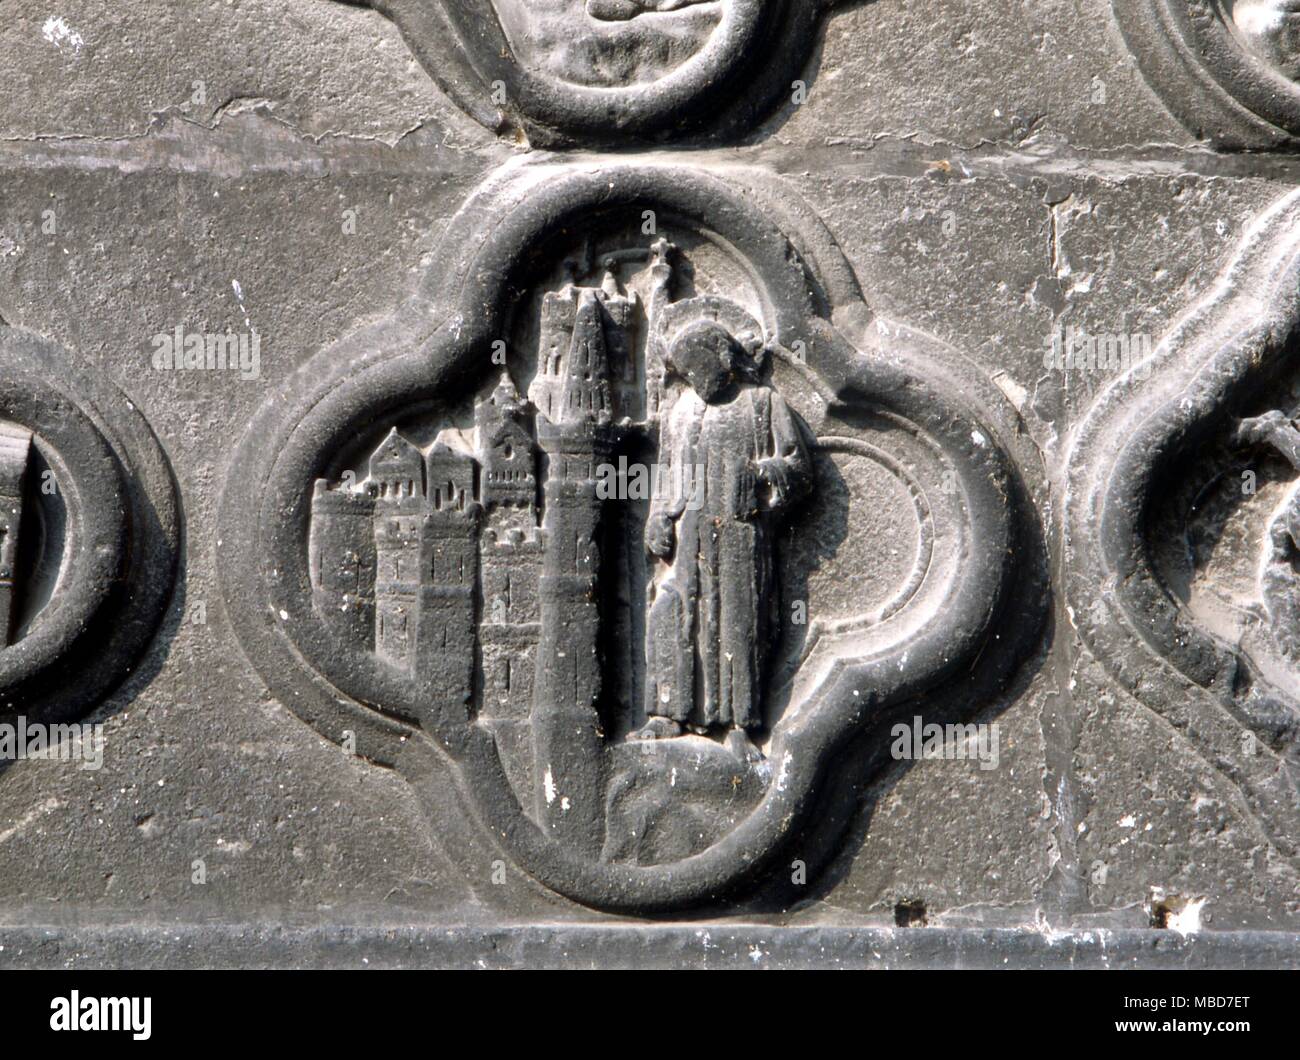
(457, 567)
(403, 563)
(565, 333)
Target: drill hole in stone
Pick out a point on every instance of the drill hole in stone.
(910, 913)
(1175, 912)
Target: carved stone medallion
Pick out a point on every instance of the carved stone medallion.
(1182, 526)
(1228, 69)
(578, 519)
(566, 71)
(88, 533)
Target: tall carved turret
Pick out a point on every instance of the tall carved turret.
(568, 315)
(426, 523)
(577, 437)
(397, 471)
(585, 393)
(444, 661)
(341, 552)
(511, 554)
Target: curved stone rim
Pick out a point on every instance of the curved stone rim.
(92, 489)
(1210, 82)
(465, 50)
(124, 529)
(925, 545)
(265, 507)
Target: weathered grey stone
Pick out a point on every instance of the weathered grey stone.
(880, 216)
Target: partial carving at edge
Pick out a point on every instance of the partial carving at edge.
(89, 533)
(438, 346)
(1141, 435)
(569, 71)
(1229, 70)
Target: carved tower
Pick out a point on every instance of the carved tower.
(511, 553)
(397, 470)
(341, 552)
(577, 435)
(449, 545)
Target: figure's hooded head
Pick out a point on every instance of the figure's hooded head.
(711, 359)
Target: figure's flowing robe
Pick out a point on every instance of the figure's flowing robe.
(712, 615)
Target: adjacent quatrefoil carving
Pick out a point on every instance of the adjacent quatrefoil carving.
(1190, 451)
(580, 72)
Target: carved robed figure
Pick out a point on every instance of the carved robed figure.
(734, 458)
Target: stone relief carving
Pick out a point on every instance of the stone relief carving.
(581, 71)
(88, 533)
(1179, 538)
(607, 43)
(1228, 69)
(601, 518)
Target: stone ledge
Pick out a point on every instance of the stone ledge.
(703, 945)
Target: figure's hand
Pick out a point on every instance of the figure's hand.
(660, 535)
(1260, 428)
(774, 473)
